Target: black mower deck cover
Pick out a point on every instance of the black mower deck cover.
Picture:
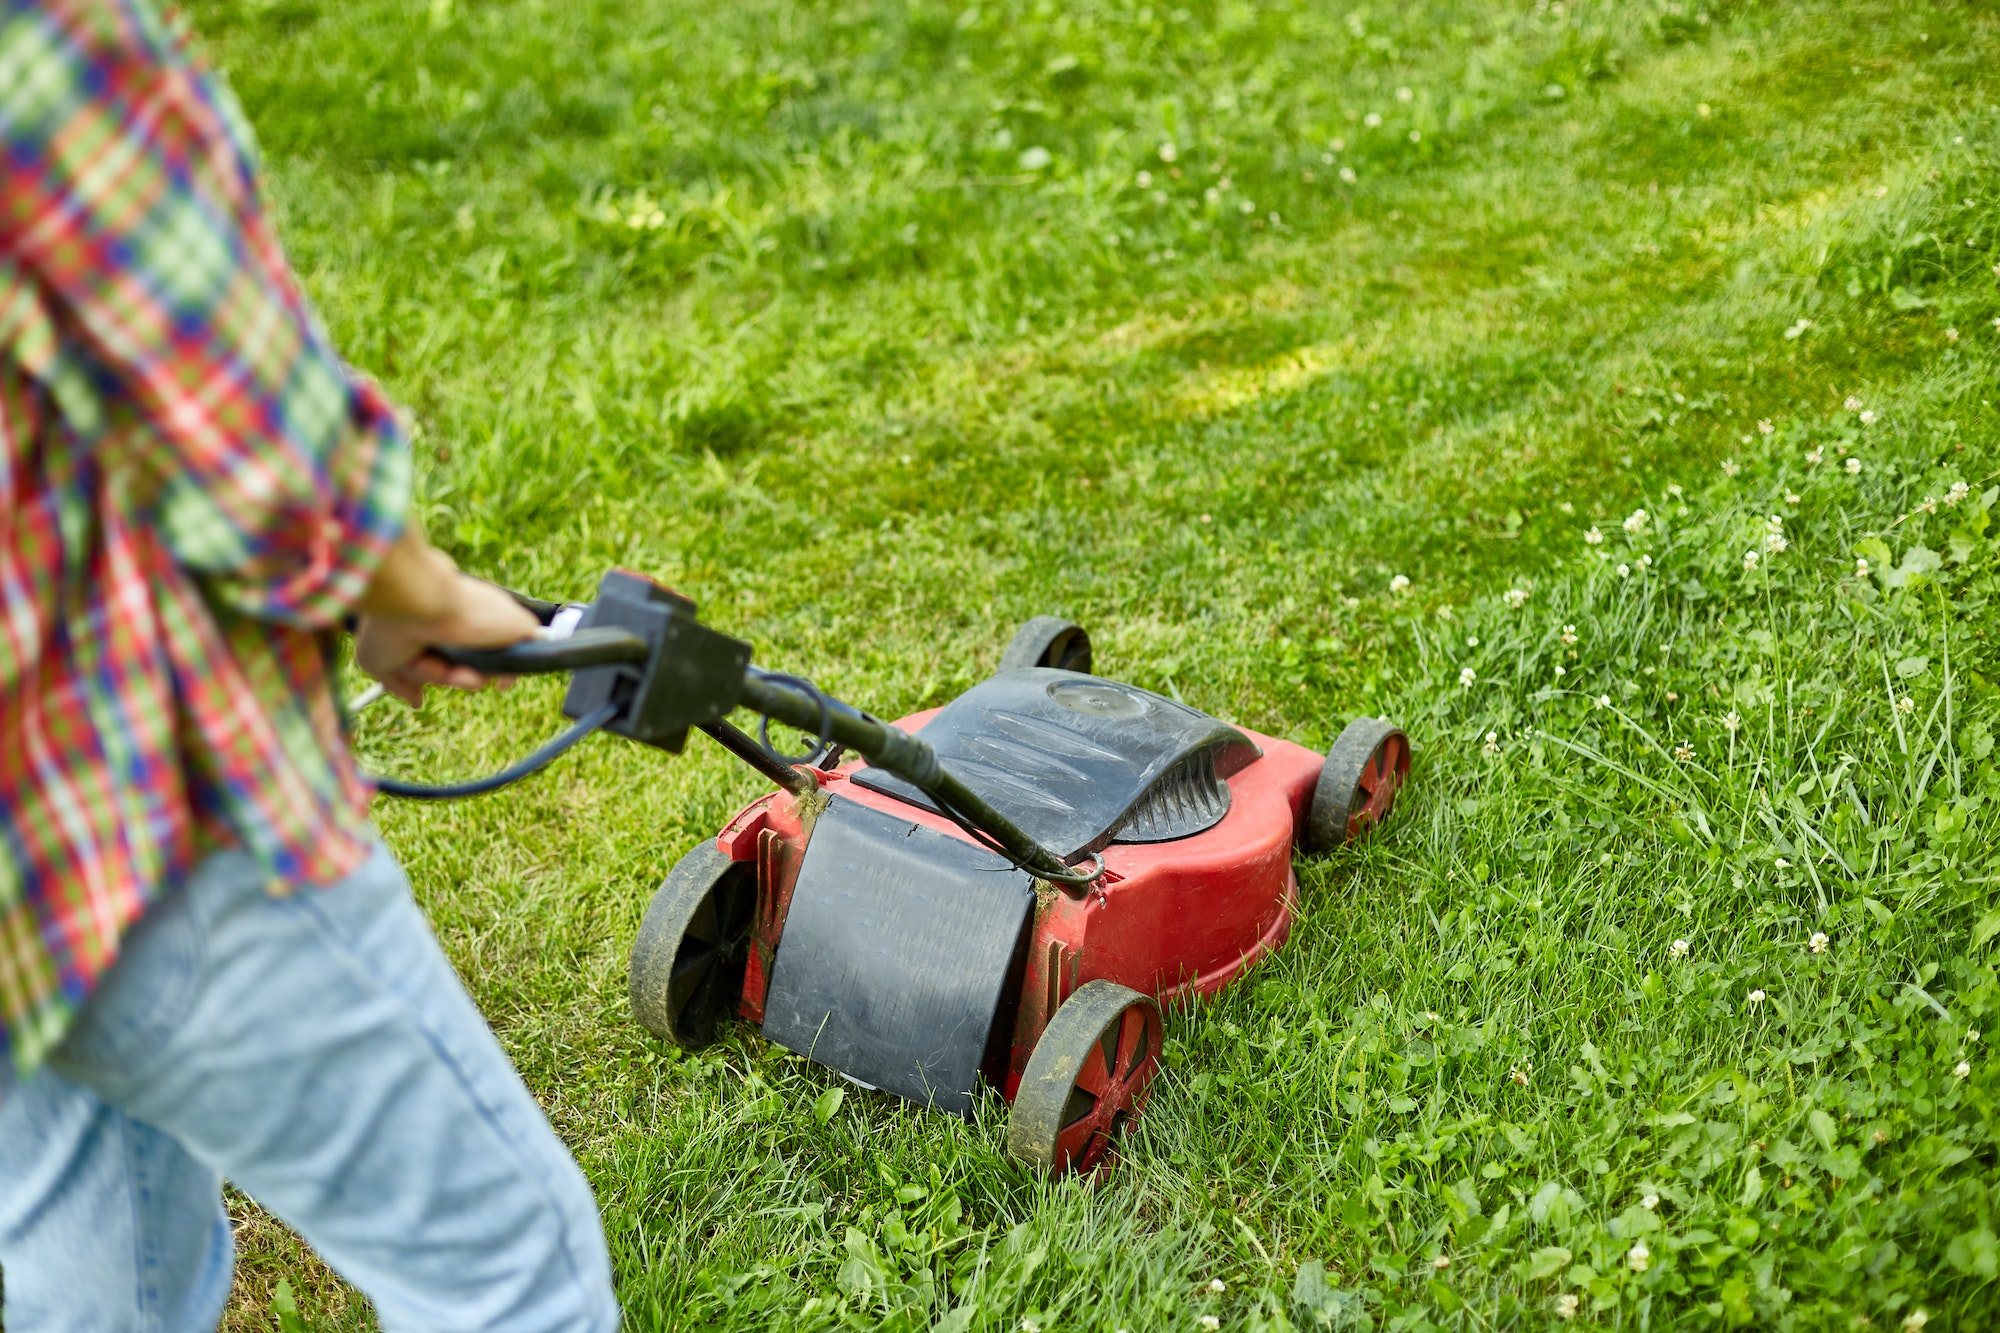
(895, 952)
(1078, 762)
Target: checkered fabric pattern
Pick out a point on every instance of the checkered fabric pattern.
(193, 491)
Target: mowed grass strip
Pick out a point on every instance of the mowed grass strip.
(880, 328)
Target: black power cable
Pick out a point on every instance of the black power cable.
(819, 697)
(534, 763)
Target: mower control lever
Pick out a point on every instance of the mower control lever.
(583, 648)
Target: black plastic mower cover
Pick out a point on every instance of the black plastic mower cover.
(895, 953)
(1063, 755)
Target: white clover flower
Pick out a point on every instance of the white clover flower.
(1959, 490)
(1442, 1262)
(1678, 949)
(1645, 562)
(1650, 1202)
(1972, 1034)
(1404, 94)
(1814, 456)
(1775, 543)
(1951, 335)
(1210, 1323)
(1776, 523)
(1906, 704)
(1638, 1258)
(1515, 598)
(1868, 418)
(1373, 120)
(1928, 504)
(1791, 497)
(1399, 584)
(1471, 640)
(1860, 566)
(1765, 428)
(1246, 208)
(1217, 1285)
(1493, 742)
(1466, 675)
(1732, 722)
(1602, 701)
(1755, 997)
(1144, 180)
(1624, 571)
(1347, 175)
(1594, 537)
(1560, 670)
(1635, 522)
(1914, 1321)
(1853, 467)
(1569, 635)
(1749, 560)
(1566, 1305)
(1030, 1326)
(1683, 752)
(1818, 942)
(1168, 152)
(1730, 467)
(1782, 863)
(1521, 1074)
(1211, 194)
(1852, 404)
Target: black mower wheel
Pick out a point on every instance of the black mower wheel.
(1087, 1077)
(1048, 641)
(687, 964)
(1358, 783)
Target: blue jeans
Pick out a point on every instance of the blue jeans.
(318, 1050)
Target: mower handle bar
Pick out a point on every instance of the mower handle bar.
(797, 705)
(583, 648)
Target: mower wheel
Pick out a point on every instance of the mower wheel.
(1087, 1077)
(1358, 783)
(687, 964)
(1048, 641)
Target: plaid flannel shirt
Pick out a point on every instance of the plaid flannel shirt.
(193, 492)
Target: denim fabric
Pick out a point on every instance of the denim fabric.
(316, 1049)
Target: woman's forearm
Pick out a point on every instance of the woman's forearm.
(414, 582)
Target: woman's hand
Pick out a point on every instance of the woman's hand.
(419, 600)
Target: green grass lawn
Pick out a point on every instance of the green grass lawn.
(1321, 362)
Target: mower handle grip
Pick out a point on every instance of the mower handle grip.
(584, 648)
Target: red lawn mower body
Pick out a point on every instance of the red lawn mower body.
(1171, 920)
(863, 926)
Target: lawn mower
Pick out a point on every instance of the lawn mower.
(1006, 888)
